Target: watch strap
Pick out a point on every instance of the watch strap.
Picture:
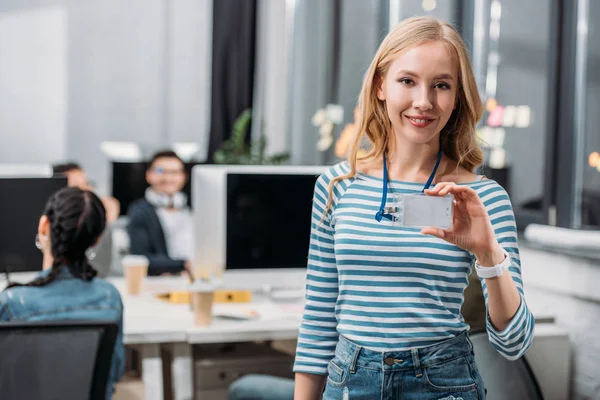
(496, 270)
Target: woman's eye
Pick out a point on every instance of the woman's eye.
(405, 81)
(442, 85)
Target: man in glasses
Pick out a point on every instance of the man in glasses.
(160, 225)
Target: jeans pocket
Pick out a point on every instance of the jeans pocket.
(478, 378)
(451, 376)
(336, 374)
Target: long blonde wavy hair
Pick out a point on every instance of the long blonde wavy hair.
(458, 141)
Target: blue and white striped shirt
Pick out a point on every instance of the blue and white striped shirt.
(390, 288)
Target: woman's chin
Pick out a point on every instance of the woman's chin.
(420, 138)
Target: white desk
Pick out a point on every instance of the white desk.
(150, 322)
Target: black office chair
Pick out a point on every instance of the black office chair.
(503, 379)
(66, 360)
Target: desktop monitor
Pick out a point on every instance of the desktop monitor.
(252, 217)
(129, 182)
(21, 205)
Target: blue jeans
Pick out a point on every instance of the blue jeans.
(261, 387)
(444, 371)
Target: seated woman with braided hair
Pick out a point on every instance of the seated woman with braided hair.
(67, 288)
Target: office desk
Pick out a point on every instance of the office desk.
(149, 323)
(153, 324)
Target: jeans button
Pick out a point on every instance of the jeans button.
(389, 361)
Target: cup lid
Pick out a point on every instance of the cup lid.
(134, 259)
(202, 285)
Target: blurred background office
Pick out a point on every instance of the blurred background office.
(106, 83)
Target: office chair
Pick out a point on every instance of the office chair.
(50, 360)
(503, 379)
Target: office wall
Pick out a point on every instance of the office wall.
(136, 70)
(117, 78)
(33, 77)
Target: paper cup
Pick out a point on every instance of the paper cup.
(203, 295)
(135, 269)
(207, 271)
(202, 304)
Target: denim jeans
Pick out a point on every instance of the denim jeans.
(444, 371)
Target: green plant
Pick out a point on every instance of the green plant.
(236, 150)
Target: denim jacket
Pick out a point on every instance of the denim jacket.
(69, 298)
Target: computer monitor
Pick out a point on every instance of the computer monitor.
(21, 205)
(129, 182)
(252, 217)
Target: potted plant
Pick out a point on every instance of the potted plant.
(237, 150)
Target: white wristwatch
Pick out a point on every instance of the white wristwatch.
(496, 270)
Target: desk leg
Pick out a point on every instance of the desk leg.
(182, 372)
(152, 372)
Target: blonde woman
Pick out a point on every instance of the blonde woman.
(382, 317)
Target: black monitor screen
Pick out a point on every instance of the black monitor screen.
(268, 220)
(21, 205)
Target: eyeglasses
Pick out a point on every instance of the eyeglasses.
(162, 171)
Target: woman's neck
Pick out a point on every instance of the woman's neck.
(47, 260)
(412, 162)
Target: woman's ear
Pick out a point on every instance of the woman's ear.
(44, 226)
(379, 85)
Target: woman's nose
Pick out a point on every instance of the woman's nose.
(423, 100)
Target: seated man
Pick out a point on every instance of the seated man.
(160, 225)
(76, 177)
(102, 260)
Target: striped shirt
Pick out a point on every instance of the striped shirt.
(391, 288)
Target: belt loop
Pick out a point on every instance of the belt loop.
(471, 347)
(416, 362)
(355, 359)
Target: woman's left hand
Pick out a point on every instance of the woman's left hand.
(471, 228)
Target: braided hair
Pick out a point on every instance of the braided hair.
(77, 219)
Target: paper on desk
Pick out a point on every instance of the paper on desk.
(165, 285)
(292, 308)
(261, 312)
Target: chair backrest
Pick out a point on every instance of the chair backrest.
(473, 309)
(503, 379)
(56, 359)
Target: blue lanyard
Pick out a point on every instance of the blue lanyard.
(381, 214)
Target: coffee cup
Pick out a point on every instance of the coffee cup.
(135, 268)
(203, 294)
